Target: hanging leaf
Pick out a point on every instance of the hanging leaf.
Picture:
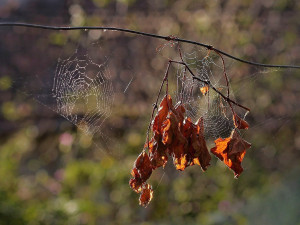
(177, 136)
(146, 195)
(231, 151)
(141, 172)
(201, 152)
(162, 113)
(178, 149)
(204, 90)
(157, 153)
(239, 122)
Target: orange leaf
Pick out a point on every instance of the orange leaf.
(167, 133)
(180, 162)
(231, 151)
(204, 90)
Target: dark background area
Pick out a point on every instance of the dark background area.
(53, 173)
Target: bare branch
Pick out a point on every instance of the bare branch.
(168, 38)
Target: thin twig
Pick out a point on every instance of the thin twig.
(155, 106)
(227, 82)
(224, 73)
(168, 38)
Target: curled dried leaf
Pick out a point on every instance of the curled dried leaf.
(157, 153)
(143, 166)
(198, 152)
(135, 183)
(164, 107)
(179, 111)
(141, 171)
(204, 90)
(180, 162)
(146, 195)
(177, 136)
(239, 122)
(231, 151)
(202, 152)
(179, 150)
(167, 133)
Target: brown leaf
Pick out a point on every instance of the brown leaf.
(178, 149)
(141, 171)
(162, 113)
(187, 127)
(146, 195)
(157, 153)
(231, 151)
(198, 152)
(135, 182)
(179, 112)
(239, 122)
(173, 138)
(201, 152)
(172, 128)
(143, 166)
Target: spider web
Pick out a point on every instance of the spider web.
(209, 105)
(83, 92)
(109, 101)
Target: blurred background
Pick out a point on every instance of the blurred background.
(54, 173)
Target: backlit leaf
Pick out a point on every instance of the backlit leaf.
(231, 151)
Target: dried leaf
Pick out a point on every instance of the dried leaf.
(239, 122)
(198, 152)
(167, 133)
(179, 112)
(143, 166)
(180, 162)
(231, 150)
(184, 141)
(172, 128)
(141, 171)
(204, 90)
(157, 153)
(162, 113)
(178, 149)
(201, 152)
(146, 195)
(135, 182)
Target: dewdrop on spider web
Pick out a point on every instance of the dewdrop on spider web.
(83, 92)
